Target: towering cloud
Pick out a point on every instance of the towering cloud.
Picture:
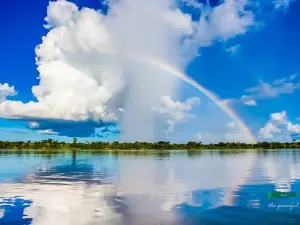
(85, 61)
(90, 65)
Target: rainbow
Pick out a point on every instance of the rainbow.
(212, 96)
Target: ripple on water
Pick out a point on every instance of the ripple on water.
(187, 189)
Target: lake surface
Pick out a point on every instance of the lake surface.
(178, 187)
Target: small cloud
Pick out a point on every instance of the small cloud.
(5, 91)
(33, 125)
(48, 131)
(109, 130)
(233, 49)
(298, 118)
(193, 3)
(280, 81)
(282, 4)
(121, 109)
(250, 103)
(283, 80)
(280, 117)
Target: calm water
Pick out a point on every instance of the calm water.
(177, 188)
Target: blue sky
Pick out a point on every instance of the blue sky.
(269, 54)
(265, 51)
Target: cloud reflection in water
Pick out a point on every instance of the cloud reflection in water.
(105, 189)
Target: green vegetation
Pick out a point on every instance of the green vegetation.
(161, 145)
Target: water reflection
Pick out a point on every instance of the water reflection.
(183, 187)
(76, 169)
(12, 210)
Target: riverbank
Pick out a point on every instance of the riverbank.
(161, 145)
(141, 153)
(52, 145)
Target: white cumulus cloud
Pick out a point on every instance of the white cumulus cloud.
(70, 85)
(226, 21)
(59, 13)
(5, 91)
(85, 65)
(279, 128)
(83, 62)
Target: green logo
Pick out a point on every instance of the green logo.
(279, 194)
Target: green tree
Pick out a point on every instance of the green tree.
(74, 140)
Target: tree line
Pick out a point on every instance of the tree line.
(161, 145)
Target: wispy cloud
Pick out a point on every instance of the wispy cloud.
(282, 4)
(284, 79)
(250, 103)
(233, 49)
(48, 131)
(274, 89)
(266, 90)
(193, 3)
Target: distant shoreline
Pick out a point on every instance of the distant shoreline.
(161, 153)
(52, 145)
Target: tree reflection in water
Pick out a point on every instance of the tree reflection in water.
(205, 189)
